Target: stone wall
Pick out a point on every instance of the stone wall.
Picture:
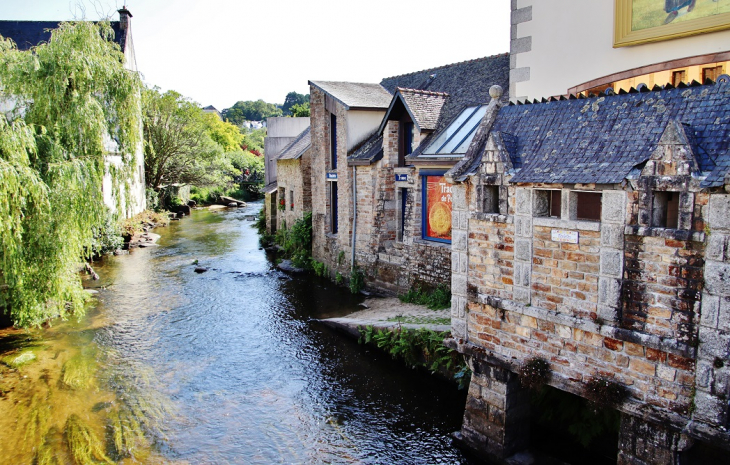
(332, 249)
(294, 183)
(393, 263)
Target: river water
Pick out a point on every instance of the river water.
(227, 366)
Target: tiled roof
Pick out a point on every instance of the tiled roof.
(296, 148)
(467, 83)
(601, 139)
(425, 106)
(27, 34)
(355, 95)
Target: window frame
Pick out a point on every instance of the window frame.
(551, 193)
(576, 204)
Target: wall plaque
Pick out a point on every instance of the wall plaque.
(332, 176)
(401, 177)
(571, 237)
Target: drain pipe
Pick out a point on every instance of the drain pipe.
(354, 214)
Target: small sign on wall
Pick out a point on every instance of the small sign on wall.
(571, 237)
(401, 177)
(332, 176)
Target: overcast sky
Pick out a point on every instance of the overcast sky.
(221, 51)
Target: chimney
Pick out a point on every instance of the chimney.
(124, 16)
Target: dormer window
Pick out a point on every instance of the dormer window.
(457, 137)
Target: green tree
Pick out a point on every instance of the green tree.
(300, 110)
(293, 98)
(179, 142)
(225, 134)
(250, 111)
(70, 96)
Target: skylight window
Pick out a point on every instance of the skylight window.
(456, 138)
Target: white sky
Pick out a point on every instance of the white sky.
(221, 51)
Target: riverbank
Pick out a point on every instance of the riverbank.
(389, 313)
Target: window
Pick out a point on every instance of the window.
(333, 207)
(490, 199)
(587, 206)
(333, 141)
(402, 214)
(665, 210)
(405, 146)
(548, 203)
(291, 199)
(455, 139)
(711, 73)
(436, 207)
(678, 77)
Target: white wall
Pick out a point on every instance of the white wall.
(361, 124)
(280, 131)
(572, 43)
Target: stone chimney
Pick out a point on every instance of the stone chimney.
(124, 16)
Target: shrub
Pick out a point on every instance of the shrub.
(436, 298)
(357, 280)
(320, 269)
(297, 241)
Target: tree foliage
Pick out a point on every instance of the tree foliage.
(184, 145)
(71, 98)
(293, 98)
(300, 110)
(250, 111)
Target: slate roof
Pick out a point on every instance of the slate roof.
(368, 152)
(28, 34)
(467, 83)
(296, 148)
(356, 95)
(601, 139)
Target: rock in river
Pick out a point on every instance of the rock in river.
(287, 267)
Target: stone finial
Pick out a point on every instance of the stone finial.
(495, 92)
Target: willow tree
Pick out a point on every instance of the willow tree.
(71, 99)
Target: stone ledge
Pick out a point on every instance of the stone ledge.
(567, 224)
(492, 217)
(442, 245)
(676, 234)
(718, 436)
(654, 342)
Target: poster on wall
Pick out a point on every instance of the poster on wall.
(437, 208)
(641, 21)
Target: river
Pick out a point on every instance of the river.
(227, 366)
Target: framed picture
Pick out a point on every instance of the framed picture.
(642, 21)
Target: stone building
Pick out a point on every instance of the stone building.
(294, 185)
(281, 132)
(592, 233)
(390, 192)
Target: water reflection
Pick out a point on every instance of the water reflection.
(249, 376)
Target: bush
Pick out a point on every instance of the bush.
(320, 269)
(357, 280)
(297, 241)
(436, 298)
(108, 237)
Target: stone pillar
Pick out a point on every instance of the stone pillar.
(644, 443)
(712, 381)
(613, 216)
(497, 416)
(523, 245)
(459, 260)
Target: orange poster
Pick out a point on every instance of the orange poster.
(438, 208)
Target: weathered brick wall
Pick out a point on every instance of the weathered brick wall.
(294, 176)
(392, 264)
(663, 280)
(326, 247)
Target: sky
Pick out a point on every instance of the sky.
(217, 52)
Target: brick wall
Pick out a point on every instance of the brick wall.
(294, 176)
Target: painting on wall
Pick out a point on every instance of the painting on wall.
(642, 21)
